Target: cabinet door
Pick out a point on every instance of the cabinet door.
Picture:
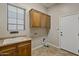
(43, 20)
(24, 49)
(48, 23)
(9, 51)
(35, 19)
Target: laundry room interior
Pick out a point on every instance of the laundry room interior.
(39, 29)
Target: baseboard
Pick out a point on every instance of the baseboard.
(42, 46)
(37, 47)
(53, 45)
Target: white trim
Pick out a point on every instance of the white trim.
(42, 46)
(53, 45)
(37, 47)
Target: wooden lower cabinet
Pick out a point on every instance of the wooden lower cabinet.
(24, 50)
(19, 49)
(8, 50)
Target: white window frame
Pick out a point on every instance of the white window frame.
(17, 18)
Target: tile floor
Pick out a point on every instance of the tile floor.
(50, 51)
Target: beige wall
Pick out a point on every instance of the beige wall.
(3, 18)
(56, 12)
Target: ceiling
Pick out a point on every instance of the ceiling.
(47, 5)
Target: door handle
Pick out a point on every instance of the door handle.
(61, 34)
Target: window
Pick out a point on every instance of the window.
(16, 18)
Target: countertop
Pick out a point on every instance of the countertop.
(13, 40)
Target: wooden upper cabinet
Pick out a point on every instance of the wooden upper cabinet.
(39, 19)
(35, 19)
(43, 20)
(48, 23)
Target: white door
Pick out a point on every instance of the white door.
(69, 33)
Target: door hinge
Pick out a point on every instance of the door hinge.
(78, 51)
(78, 34)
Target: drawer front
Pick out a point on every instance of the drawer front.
(8, 50)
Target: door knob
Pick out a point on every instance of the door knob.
(61, 34)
